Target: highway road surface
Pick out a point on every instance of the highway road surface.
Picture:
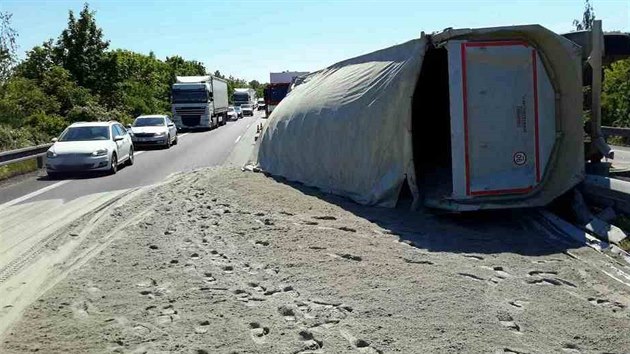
(36, 250)
(194, 150)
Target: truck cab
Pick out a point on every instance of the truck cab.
(199, 102)
(243, 96)
(192, 105)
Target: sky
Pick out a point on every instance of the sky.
(249, 38)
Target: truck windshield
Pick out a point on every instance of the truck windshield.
(240, 97)
(190, 96)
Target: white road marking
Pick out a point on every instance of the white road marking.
(34, 194)
(138, 153)
(237, 139)
(182, 135)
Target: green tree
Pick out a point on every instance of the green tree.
(80, 47)
(57, 82)
(95, 112)
(616, 94)
(8, 46)
(258, 87)
(136, 83)
(38, 61)
(587, 18)
(181, 67)
(46, 124)
(21, 98)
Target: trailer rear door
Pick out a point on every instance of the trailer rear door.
(502, 117)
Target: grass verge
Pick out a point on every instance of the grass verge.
(17, 168)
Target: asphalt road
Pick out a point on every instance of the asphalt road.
(194, 150)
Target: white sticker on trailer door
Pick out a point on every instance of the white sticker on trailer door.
(494, 117)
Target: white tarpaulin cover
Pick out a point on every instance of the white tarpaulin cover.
(347, 128)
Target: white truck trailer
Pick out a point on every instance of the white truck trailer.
(199, 102)
(243, 96)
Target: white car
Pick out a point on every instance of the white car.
(239, 111)
(232, 113)
(94, 146)
(154, 130)
(248, 110)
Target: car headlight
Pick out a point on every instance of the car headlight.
(100, 152)
(51, 154)
(159, 134)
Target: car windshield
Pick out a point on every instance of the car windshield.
(190, 96)
(238, 109)
(231, 109)
(85, 133)
(148, 122)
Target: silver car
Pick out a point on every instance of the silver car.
(154, 130)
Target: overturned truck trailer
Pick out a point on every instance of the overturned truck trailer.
(469, 119)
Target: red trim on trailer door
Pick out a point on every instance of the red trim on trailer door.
(496, 44)
(465, 99)
(503, 191)
(535, 69)
(465, 114)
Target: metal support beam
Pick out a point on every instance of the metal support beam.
(595, 60)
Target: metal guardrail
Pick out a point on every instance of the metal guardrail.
(615, 131)
(27, 153)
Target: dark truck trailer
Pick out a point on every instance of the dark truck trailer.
(274, 93)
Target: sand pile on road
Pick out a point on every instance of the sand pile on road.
(221, 261)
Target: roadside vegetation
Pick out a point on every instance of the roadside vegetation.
(18, 168)
(77, 77)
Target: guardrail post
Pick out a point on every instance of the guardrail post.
(40, 162)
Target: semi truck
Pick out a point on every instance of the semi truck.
(243, 96)
(199, 102)
(279, 85)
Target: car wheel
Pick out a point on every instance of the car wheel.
(53, 175)
(175, 141)
(113, 165)
(130, 159)
(168, 142)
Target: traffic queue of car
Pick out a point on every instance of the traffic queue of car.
(104, 146)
